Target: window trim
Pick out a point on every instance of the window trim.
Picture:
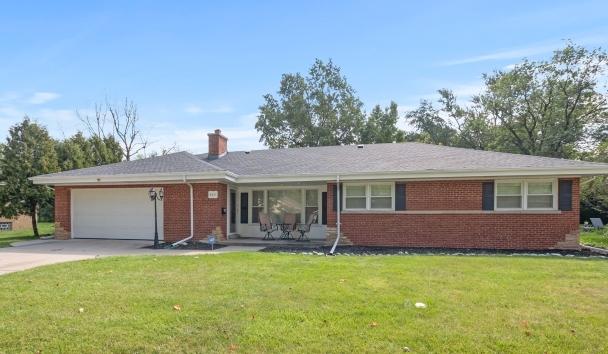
(524, 193)
(368, 196)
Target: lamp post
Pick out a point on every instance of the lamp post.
(154, 196)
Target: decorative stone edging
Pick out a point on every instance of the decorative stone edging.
(397, 251)
(595, 249)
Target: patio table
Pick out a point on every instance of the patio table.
(286, 234)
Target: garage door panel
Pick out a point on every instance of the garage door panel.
(119, 213)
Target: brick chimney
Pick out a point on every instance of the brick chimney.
(218, 144)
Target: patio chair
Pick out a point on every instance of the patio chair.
(288, 226)
(267, 226)
(304, 229)
(597, 223)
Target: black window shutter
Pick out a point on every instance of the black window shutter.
(244, 208)
(487, 199)
(324, 208)
(400, 196)
(564, 199)
(335, 198)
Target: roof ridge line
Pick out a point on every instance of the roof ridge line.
(192, 156)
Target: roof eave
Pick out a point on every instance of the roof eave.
(174, 177)
(348, 176)
(431, 174)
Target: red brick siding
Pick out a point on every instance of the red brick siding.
(63, 217)
(444, 195)
(176, 220)
(208, 212)
(475, 229)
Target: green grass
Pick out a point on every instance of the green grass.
(595, 238)
(283, 303)
(8, 237)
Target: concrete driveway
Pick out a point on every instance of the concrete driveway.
(30, 254)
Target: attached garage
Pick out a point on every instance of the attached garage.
(114, 213)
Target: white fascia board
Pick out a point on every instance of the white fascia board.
(434, 174)
(389, 175)
(135, 178)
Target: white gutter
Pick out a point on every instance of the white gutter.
(428, 174)
(333, 248)
(393, 175)
(191, 217)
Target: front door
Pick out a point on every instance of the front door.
(232, 211)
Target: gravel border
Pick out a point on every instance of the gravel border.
(383, 251)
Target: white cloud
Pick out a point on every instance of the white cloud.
(468, 90)
(197, 109)
(195, 140)
(43, 97)
(193, 109)
(518, 53)
(241, 135)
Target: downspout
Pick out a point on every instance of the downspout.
(333, 248)
(191, 216)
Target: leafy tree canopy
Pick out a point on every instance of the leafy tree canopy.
(29, 151)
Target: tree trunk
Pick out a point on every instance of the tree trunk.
(34, 215)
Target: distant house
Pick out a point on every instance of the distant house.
(18, 223)
(409, 194)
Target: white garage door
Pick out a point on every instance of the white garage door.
(118, 213)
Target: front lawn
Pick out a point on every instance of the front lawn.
(595, 238)
(8, 237)
(281, 303)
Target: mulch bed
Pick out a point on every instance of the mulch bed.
(189, 246)
(373, 251)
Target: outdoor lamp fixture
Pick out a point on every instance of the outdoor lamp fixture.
(154, 196)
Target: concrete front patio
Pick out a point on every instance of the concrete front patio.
(31, 254)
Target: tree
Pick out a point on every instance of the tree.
(28, 152)
(316, 110)
(123, 121)
(546, 107)
(430, 125)
(381, 126)
(79, 151)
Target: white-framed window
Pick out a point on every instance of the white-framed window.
(509, 194)
(283, 201)
(534, 194)
(369, 196)
(257, 205)
(311, 203)
(540, 195)
(355, 196)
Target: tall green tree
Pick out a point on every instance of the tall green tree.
(431, 126)
(547, 107)
(314, 110)
(29, 151)
(79, 151)
(381, 126)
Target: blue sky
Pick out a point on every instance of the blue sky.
(194, 66)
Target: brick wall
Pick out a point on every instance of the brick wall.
(444, 195)
(455, 220)
(176, 219)
(20, 222)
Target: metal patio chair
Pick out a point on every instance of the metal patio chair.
(288, 226)
(267, 226)
(304, 229)
(597, 223)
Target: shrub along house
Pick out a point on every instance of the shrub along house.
(409, 194)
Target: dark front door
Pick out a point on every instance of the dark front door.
(232, 211)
